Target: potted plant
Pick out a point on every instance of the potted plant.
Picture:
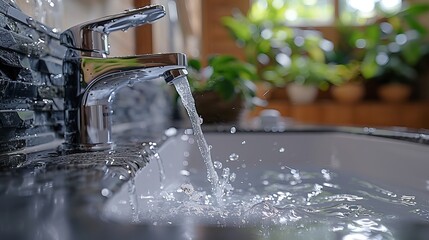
(271, 45)
(350, 88)
(222, 89)
(306, 76)
(268, 43)
(391, 49)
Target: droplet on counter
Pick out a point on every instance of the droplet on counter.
(189, 131)
(184, 138)
(184, 173)
(233, 130)
(243, 142)
(105, 192)
(233, 157)
(282, 150)
(170, 132)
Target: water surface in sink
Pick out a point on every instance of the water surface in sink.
(351, 185)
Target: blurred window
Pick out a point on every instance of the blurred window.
(307, 12)
(327, 12)
(361, 12)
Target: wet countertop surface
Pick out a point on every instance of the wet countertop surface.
(52, 195)
(47, 195)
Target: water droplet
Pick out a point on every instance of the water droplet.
(233, 130)
(232, 177)
(105, 192)
(281, 150)
(167, 196)
(184, 173)
(200, 120)
(233, 157)
(326, 174)
(243, 142)
(217, 164)
(225, 173)
(184, 137)
(189, 131)
(170, 132)
(265, 182)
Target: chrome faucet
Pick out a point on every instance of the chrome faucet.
(91, 78)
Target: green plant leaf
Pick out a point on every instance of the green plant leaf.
(411, 52)
(225, 88)
(414, 24)
(194, 64)
(239, 29)
(372, 36)
(416, 9)
(369, 65)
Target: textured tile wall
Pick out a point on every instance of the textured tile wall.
(31, 85)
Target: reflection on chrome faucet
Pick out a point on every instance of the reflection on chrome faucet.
(91, 78)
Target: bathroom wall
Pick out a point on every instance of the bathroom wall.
(31, 85)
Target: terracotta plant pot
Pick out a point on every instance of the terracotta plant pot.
(394, 92)
(301, 94)
(348, 93)
(214, 109)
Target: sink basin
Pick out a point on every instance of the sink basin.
(329, 185)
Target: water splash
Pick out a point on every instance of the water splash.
(154, 155)
(292, 200)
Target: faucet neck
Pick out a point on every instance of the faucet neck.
(91, 84)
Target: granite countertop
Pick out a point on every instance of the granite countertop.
(52, 195)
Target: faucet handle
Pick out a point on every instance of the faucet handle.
(93, 36)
